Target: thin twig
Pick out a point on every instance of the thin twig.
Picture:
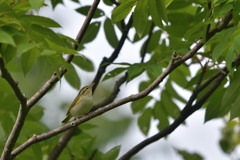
(107, 61)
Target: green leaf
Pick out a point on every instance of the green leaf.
(39, 20)
(213, 108)
(189, 156)
(37, 151)
(140, 17)
(158, 12)
(91, 33)
(134, 71)
(56, 2)
(143, 85)
(154, 41)
(8, 53)
(219, 50)
(113, 73)
(123, 10)
(169, 106)
(24, 47)
(160, 114)
(28, 59)
(60, 49)
(6, 38)
(144, 121)
(84, 11)
(35, 113)
(154, 70)
(140, 104)
(230, 55)
(110, 33)
(111, 154)
(107, 2)
(180, 76)
(84, 63)
(171, 91)
(36, 4)
(232, 90)
(235, 110)
(72, 77)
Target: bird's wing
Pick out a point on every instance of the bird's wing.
(76, 100)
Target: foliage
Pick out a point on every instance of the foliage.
(32, 55)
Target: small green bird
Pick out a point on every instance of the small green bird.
(82, 104)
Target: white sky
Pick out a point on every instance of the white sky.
(195, 136)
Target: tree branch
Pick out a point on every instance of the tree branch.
(188, 110)
(12, 138)
(14, 84)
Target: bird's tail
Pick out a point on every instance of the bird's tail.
(66, 119)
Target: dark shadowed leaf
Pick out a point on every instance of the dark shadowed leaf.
(83, 63)
(91, 33)
(140, 104)
(112, 154)
(144, 121)
(110, 33)
(84, 11)
(140, 17)
(72, 77)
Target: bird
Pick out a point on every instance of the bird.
(82, 104)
